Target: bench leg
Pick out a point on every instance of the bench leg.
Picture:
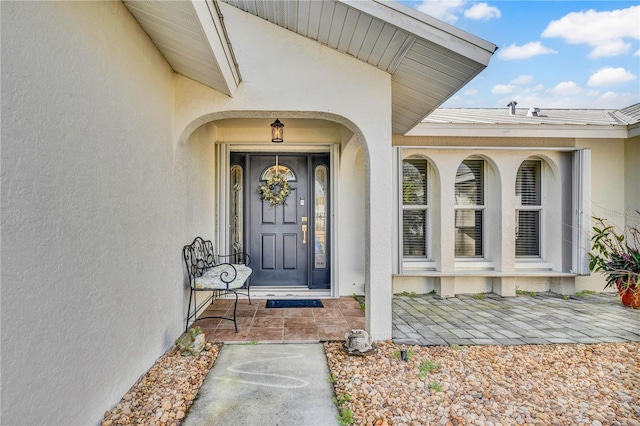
(186, 326)
(235, 308)
(190, 314)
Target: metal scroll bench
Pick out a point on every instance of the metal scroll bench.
(207, 273)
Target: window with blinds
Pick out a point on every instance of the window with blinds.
(529, 210)
(415, 208)
(469, 209)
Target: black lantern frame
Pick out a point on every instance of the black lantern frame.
(277, 131)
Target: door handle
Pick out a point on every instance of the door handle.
(304, 234)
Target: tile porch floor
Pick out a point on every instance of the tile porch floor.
(258, 323)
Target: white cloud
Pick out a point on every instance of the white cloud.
(482, 11)
(615, 48)
(565, 88)
(610, 77)
(604, 31)
(637, 53)
(503, 89)
(519, 85)
(471, 92)
(614, 100)
(525, 51)
(523, 79)
(608, 96)
(533, 89)
(445, 10)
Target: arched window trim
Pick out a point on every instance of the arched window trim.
(284, 170)
(529, 209)
(466, 204)
(416, 212)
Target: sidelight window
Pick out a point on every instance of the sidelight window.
(320, 217)
(236, 208)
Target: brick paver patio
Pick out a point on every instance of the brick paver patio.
(492, 320)
(258, 323)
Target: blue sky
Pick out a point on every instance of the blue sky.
(551, 54)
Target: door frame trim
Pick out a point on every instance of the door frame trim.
(223, 194)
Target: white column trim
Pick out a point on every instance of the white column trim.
(222, 196)
(581, 206)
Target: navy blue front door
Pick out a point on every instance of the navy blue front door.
(279, 235)
(289, 243)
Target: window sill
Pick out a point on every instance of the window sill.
(488, 273)
(474, 265)
(533, 265)
(423, 265)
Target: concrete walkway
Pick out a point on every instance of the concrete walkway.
(266, 384)
(489, 319)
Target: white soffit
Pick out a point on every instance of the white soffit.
(429, 60)
(191, 36)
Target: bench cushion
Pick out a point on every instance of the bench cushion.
(211, 280)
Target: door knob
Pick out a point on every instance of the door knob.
(304, 234)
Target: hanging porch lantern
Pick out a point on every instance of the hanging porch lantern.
(277, 131)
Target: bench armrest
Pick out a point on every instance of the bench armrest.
(227, 272)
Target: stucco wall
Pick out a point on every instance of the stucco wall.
(96, 205)
(607, 191)
(295, 77)
(632, 181)
(351, 226)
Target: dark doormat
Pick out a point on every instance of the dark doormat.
(295, 303)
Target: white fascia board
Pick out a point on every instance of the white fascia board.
(511, 130)
(209, 17)
(427, 27)
(634, 131)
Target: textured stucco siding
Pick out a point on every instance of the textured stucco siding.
(632, 180)
(294, 77)
(96, 203)
(607, 192)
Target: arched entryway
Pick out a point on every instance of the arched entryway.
(293, 245)
(242, 131)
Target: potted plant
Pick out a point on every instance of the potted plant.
(617, 256)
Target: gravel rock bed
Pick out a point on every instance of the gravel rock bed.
(470, 385)
(164, 394)
(490, 385)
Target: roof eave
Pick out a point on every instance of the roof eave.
(428, 28)
(405, 117)
(211, 20)
(421, 120)
(513, 130)
(206, 55)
